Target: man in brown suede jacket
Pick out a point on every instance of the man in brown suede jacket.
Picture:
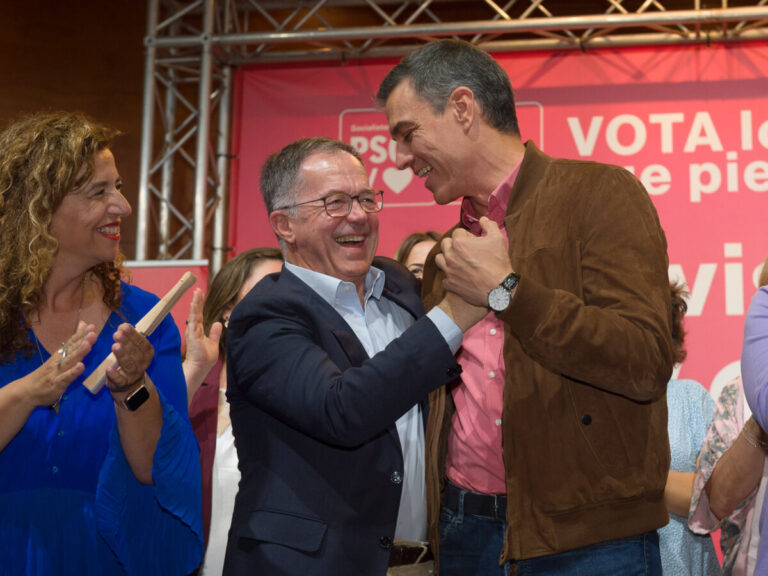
(550, 455)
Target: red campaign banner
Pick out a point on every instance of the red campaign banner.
(690, 122)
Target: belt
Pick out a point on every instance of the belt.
(406, 555)
(475, 504)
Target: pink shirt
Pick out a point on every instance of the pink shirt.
(474, 459)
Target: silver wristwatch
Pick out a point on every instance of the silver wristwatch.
(500, 296)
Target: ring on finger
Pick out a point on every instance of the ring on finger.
(62, 353)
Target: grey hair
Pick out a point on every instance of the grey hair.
(281, 173)
(436, 69)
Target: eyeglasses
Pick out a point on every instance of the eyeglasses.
(339, 204)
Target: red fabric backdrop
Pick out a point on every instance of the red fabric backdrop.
(691, 122)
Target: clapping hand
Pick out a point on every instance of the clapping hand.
(48, 383)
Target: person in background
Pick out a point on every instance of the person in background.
(206, 373)
(690, 406)
(731, 477)
(569, 368)
(754, 373)
(327, 365)
(413, 251)
(104, 483)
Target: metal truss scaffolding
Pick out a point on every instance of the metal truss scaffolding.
(193, 46)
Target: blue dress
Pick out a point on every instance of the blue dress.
(69, 503)
(684, 553)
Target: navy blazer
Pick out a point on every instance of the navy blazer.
(313, 418)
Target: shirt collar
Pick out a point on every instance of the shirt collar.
(497, 204)
(330, 288)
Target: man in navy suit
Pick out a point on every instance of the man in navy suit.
(328, 363)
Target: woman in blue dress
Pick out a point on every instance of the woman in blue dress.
(90, 483)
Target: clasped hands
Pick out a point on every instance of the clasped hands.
(473, 265)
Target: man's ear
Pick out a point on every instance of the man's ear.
(282, 225)
(461, 104)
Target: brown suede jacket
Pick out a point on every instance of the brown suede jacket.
(588, 355)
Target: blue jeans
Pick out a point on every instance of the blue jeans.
(471, 546)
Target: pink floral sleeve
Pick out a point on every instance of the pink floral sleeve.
(727, 423)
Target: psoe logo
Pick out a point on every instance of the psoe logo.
(367, 130)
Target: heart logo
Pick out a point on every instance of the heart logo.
(396, 179)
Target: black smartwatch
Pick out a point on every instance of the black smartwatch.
(135, 399)
(500, 296)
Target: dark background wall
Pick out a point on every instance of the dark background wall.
(84, 55)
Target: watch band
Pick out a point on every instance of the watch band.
(510, 282)
(135, 399)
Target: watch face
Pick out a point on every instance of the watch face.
(498, 299)
(137, 399)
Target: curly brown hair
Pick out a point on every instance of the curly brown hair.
(43, 157)
(678, 294)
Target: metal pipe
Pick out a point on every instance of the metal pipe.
(164, 223)
(203, 125)
(220, 237)
(528, 45)
(147, 129)
(481, 27)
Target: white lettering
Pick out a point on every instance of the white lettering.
(702, 133)
(697, 184)
(700, 288)
(360, 143)
(585, 145)
(379, 148)
(762, 134)
(639, 135)
(666, 122)
(732, 172)
(746, 130)
(656, 179)
(756, 176)
(734, 286)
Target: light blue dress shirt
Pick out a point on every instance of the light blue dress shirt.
(376, 324)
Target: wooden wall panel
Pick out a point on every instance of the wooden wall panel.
(85, 55)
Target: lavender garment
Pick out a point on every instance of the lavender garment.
(754, 372)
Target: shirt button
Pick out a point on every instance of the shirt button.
(61, 434)
(385, 542)
(396, 477)
(498, 422)
(493, 331)
(586, 419)
(491, 374)
(346, 288)
(55, 469)
(65, 397)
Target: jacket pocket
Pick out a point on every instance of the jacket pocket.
(284, 528)
(627, 438)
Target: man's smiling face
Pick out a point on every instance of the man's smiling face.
(342, 247)
(427, 143)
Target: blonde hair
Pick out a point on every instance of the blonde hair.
(43, 157)
(763, 278)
